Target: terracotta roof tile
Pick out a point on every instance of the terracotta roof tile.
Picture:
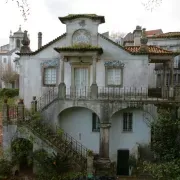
(154, 32)
(167, 35)
(153, 50)
(3, 52)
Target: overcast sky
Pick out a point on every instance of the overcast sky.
(120, 15)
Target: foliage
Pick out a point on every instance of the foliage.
(132, 160)
(5, 168)
(9, 93)
(165, 147)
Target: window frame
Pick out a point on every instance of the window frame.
(128, 129)
(106, 76)
(95, 118)
(44, 69)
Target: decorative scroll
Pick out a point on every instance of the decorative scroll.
(114, 64)
(50, 63)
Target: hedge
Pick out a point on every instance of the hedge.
(10, 93)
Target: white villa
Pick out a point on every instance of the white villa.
(95, 89)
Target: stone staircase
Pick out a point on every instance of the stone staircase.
(61, 142)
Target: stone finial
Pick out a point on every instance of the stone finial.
(25, 42)
(144, 41)
(10, 34)
(20, 28)
(39, 40)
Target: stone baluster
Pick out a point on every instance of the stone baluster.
(94, 87)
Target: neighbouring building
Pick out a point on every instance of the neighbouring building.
(169, 41)
(8, 64)
(95, 89)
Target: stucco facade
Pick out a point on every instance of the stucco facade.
(120, 125)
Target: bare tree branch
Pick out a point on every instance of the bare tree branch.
(23, 7)
(150, 5)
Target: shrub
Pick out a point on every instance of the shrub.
(5, 168)
(10, 93)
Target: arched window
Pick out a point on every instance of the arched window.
(18, 43)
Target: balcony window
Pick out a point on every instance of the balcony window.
(50, 76)
(113, 76)
(127, 122)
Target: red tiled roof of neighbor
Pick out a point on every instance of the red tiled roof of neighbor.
(151, 50)
(154, 32)
(167, 35)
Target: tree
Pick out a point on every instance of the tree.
(117, 35)
(8, 74)
(23, 7)
(151, 4)
(165, 147)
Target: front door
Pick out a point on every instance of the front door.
(81, 81)
(122, 163)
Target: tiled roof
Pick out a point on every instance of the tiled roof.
(154, 32)
(152, 50)
(75, 16)
(167, 35)
(43, 47)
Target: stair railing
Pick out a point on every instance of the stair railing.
(47, 98)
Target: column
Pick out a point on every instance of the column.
(62, 86)
(171, 87)
(94, 87)
(164, 79)
(104, 140)
(94, 69)
(62, 71)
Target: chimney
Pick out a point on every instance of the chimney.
(39, 40)
(137, 36)
(144, 40)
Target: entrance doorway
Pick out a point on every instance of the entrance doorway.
(122, 162)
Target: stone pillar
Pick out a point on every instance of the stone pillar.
(164, 87)
(171, 87)
(20, 111)
(34, 105)
(90, 167)
(62, 86)
(104, 140)
(94, 87)
(5, 113)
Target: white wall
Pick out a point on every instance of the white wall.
(78, 123)
(127, 140)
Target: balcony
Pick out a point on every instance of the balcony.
(109, 94)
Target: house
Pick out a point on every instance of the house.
(94, 88)
(8, 60)
(169, 41)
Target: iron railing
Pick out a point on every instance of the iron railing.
(76, 146)
(47, 98)
(116, 93)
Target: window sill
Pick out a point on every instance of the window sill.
(130, 131)
(49, 85)
(95, 130)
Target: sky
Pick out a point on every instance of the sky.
(120, 16)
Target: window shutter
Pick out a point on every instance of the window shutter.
(93, 121)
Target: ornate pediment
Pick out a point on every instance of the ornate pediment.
(114, 64)
(50, 63)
